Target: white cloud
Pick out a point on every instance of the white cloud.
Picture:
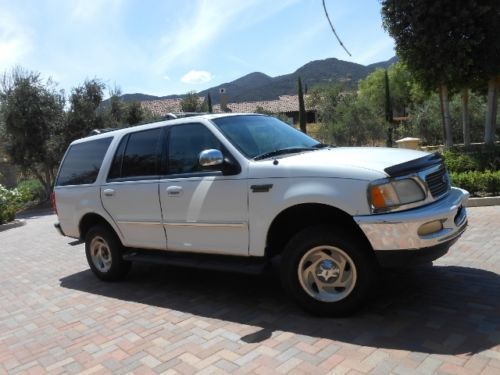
(195, 77)
(15, 42)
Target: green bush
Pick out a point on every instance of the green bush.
(11, 201)
(475, 158)
(477, 181)
(459, 163)
(32, 191)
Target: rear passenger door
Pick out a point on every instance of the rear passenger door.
(130, 194)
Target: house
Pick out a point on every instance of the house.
(287, 105)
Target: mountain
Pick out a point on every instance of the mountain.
(259, 86)
(138, 97)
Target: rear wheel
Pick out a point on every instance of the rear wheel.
(104, 254)
(326, 273)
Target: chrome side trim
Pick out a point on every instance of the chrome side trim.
(207, 225)
(139, 222)
(186, 224)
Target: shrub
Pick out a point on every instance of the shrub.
(477, 181)
(459, 163)
(477, 158)
(10, 203)
(32, 191)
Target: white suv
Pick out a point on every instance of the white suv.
(231, 192)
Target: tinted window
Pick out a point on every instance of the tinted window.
(116, 167)
(141, 154)
(82, 162)
(184, 147)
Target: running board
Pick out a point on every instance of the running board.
(225, 263)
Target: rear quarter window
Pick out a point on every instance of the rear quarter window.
(83, 162)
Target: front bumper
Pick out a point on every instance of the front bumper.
(399, 230)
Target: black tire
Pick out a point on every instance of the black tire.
(107, 263)
(301, 274)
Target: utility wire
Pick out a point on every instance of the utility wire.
(333, 29)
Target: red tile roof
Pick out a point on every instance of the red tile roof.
(285, 104)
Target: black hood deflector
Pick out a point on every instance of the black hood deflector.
(416, 165)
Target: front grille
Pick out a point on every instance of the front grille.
(438, 182)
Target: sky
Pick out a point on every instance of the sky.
(163, 47)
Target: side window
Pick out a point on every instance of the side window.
(137, 155)
(83, 162)
(116, 167)
(184, 147)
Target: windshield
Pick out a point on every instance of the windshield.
(257, 135)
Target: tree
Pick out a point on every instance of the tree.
(191, 103)
(425, 115)
(118, 109)
(388, 109)
(135, 113)
(448, 44)
(429, 37)
(488, 59)
(466, 117)
(402, 86)
(302, 108)
(209, 103)
(324, 100)
(83, 114)
(32, 114)
(346, 117)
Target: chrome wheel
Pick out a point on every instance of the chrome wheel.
(327, 273)
(100, 254)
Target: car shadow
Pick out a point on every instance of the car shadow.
(432, 309)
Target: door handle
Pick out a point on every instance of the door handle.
(174, 190)
(109, 192)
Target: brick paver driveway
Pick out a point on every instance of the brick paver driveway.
(56, 317)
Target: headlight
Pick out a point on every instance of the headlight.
(389, 194)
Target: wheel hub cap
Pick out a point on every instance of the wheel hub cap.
(327, 271)
(100, 254)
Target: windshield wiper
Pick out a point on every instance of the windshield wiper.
(321, 145)
(282, 151)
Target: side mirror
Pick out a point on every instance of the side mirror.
(211, 158)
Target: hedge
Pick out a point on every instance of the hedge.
(477, 182)
(475, 169)
(479, 158)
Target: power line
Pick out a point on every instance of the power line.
(333, 29)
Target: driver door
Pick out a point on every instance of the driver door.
(203, 210)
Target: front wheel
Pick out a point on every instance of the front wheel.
(326, 273)
(104, 254)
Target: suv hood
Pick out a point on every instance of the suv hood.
(365, 163)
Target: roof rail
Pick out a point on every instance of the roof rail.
(174, 115)
(101, 131)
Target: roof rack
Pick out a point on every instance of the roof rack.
(168, 116)
(174, 115)
(101, 131)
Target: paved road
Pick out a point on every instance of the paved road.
(56, 317)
